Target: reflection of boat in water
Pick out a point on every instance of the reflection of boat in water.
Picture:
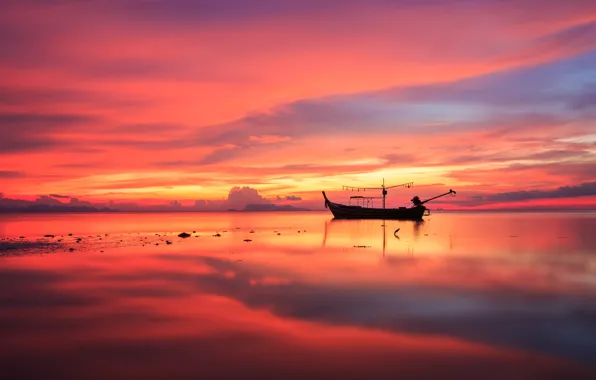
(362, 211)
(342, 233)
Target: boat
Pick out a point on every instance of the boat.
(362, 210)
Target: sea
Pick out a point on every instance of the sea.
(297, 295)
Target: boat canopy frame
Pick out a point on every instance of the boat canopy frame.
(362, 201)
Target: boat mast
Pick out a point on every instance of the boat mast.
(383, 188)
(384, 192)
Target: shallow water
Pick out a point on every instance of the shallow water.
(468, 295)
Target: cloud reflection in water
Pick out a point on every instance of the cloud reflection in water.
(196, 310)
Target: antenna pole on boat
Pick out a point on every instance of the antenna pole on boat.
(384, 192)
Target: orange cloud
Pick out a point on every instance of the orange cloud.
(175, 101)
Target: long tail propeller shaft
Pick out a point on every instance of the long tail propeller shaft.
(418, 202)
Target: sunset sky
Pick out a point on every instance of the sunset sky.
(152, 101)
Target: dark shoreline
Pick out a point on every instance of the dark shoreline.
(111, 211)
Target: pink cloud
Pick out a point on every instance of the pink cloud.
(292, 95)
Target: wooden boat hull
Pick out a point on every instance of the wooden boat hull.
(340, 211)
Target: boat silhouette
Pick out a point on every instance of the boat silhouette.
(362, 211)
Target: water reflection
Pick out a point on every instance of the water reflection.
(469, 234)
(452, 297)
(366, 230)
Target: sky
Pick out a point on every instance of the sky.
(186, 102)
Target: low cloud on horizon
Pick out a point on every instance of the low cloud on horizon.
(241, 196)
(582, 190)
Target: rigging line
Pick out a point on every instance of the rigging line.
(407, 184)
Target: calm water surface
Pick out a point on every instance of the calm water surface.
(470, 295)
